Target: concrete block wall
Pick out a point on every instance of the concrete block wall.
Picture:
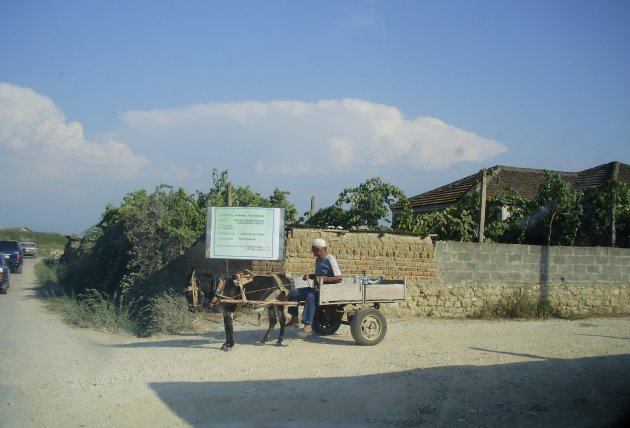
(575, 280)
(465, 261)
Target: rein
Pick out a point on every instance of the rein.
(240, 281)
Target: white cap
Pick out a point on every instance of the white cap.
(319, 243)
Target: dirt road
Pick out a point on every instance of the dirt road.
(425, 373)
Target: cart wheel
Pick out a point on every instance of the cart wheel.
(368, 327)
(325, 327)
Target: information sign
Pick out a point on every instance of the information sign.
(247, 233)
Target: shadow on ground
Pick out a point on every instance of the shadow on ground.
(585, 392)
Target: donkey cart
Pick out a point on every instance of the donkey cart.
(354, 302)
(357, 304)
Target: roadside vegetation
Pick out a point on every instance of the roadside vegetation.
(119, 277)
(47, 242)
(520, 304)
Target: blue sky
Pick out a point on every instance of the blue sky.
(102, 98)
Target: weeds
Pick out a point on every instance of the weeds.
(520, 304)
(93, 310)
(166, 313)
(90, 309)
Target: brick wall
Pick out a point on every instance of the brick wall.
(358, 253)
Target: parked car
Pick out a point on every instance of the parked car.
(29, 249)
(4, 276)
(11, 253)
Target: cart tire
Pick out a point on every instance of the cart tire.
(368, 327)
(324, 327)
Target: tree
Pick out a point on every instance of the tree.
(333, 216)
(596, 219)
(136, 240)
(244, 196)
(458, 222)
(369, 203)
(279, 200)
(555, 214)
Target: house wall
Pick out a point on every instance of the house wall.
(454, 279)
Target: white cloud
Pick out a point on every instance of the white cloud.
(36, 136)
(276, 136)
(311, 149)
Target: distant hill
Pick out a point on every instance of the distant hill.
(46, 241)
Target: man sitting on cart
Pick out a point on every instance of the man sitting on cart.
(326, 272)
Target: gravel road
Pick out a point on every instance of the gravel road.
(434, 373)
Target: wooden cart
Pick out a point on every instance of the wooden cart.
(356, 303)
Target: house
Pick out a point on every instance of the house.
(505, 180)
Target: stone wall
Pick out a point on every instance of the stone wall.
(454, 279)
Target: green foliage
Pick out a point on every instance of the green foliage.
(330, 216)
(47, 274)
(134, 241)
(622, 213)
(368, 204)
(559, 215)
(156, 229)
(555, 214)
(279, 200)
(596, 219)
(93, 310)
(243, 196)
(457, 223)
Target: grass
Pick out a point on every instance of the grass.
(90, 309)
(167, 312)
(93, 310)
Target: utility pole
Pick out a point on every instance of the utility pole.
(613, 202)
(482, 205)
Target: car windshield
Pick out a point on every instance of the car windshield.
(8, 246)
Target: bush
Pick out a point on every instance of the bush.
(520, 304)
(167, 312)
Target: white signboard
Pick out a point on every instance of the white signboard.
(245, 233)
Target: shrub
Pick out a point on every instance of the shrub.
(167, 312)
(520, 304)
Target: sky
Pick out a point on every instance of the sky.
(99, 99)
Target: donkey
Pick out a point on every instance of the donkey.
(245, 287)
